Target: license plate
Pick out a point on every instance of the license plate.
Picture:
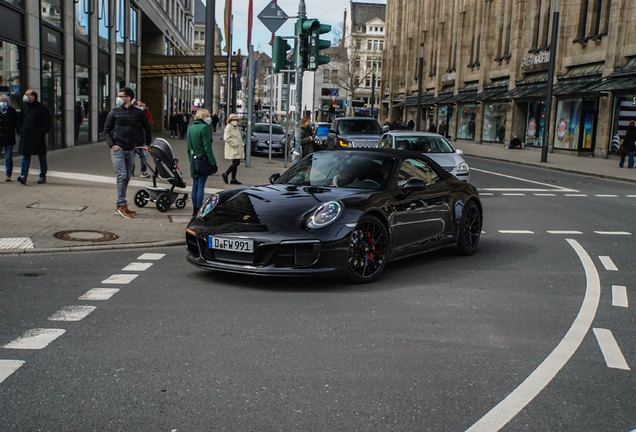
(233, 245)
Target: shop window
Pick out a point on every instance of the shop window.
(10, 72)
(52, 12)
(494, 128)
(82, 20)
(568, 125)
(18, 3)
(466, 127)
(535, 123)
(82, 104)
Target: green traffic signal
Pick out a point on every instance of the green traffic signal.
(279, 54)
(316, 44)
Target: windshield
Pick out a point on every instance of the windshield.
(423, 144)
(322, 130)
(262, 128)
(359, 127)
(340, 169)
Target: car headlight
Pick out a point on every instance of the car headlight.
(208, 206)
(325, 215)
(462, 167)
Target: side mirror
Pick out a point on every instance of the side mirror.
(413, 184)
(459, 152)
(273, 178)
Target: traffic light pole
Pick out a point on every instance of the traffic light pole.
(250, 105)
(302, 13)
(289, 75)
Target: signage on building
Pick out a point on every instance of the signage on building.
(449, 77)
(51, 41)
(535, 60)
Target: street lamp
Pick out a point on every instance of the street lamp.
(419, 88)
(551, 68)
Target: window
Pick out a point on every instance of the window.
(356, 81)
(369, 44)
(326, 77)
(375, 45)
(367, 82)
(369, 63)
(334, 76)
(370, 28)
(52, 12)
(381, 45)
(382, 29)
(358, 44)
(104, 24)
(416, 168)
(375, 28)
(81, 20)
(356, 63)
(196, 35)
(202, 35)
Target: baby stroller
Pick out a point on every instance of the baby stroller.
(166, 168)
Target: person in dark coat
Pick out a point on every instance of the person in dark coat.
(515, 143)
(411, 124)
(34, 122)
(79, 118)
(629, 141)
(174, 123)
(306, 136)
(8, 125)
(432, 129)
(183, 124)
(215, 122)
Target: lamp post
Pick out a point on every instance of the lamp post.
(419, 88)
(372, 94)
(551, 68)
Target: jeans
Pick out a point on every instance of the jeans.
(631, 160)
(8, 159)
(142, 158)
(26, 163)
(198, 190)
(124, 163)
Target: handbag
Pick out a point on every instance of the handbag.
(622, 150)
(202, 165)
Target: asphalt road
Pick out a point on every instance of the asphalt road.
(526, 335)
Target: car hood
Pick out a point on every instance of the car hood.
(265, 136)
(447, 160)
(272, 207)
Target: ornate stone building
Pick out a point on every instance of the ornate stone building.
(486, 69)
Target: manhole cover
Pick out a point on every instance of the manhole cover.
(86, 236)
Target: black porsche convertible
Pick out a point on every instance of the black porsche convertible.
(341, 212)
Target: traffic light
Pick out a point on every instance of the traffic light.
(332, 109)
(257, 106)
(279, 54)
(316, 44)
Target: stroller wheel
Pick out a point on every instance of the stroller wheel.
(180, 203)
(163, 202)
(141, 198)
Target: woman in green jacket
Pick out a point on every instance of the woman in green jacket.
(200, 147)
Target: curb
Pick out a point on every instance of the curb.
(94, 248)
(553, 168)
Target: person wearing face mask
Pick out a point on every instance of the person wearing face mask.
(200, 149)
(234, 148)
(8, 124)
(34, 122)
(126, 127)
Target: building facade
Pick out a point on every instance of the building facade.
(82, 52)
(486, 70)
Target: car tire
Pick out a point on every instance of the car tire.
(470, 225)
(368, 250)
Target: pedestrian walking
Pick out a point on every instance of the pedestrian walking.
(215, 122)
(629, 144)
(202, 160)
(234, 148)
(306, 136)
(34, 122)
(174, 124)
(126, 127)
(183, 124)
(142, 152)
(79, 118)
(8, 125)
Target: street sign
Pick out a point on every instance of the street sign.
(345, 102)
(333, 97)
(273, 17)
(334, 92)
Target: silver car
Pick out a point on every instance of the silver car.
(432, 145)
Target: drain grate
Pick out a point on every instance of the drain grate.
(93, 236)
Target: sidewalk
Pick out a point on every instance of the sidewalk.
(80, 196)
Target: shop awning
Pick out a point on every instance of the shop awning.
(615, 85)
(492, 94)
(158, 66)
(575, 86)
(410, 102)
(441, 98)
(526, 92)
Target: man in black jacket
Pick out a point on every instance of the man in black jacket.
(34, 122)
(124, 130)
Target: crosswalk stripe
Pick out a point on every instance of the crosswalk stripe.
(99, 294)
(611, 352)
(608, 263)
(619, 296)
(35, 339)
(613, 232)
(151, 256)
(565, 232)
(72, 313)
(120, 279)
(7, 367)
(137, 266)
(516, 232)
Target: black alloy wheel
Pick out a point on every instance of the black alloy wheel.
(469, 229)
(163, 202)
(141, 198)
(368, 250)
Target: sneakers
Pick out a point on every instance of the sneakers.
(235, 181)
(144, 175)
(8, 178)
(130, 211)
(22, 180)
(123, 211)
(42, 180)
(223, 176)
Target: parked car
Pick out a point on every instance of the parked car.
(321, 133)
(432, 145)
(354, 132)
(260, 139)
(337, 212)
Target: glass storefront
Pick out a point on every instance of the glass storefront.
(104, 24)
(625, 110)
(466, 125)
(52, 98)
(18, 3)
(81, 20)
(52, 12)
(444, 118)
(82, 104)
(494, 122)
(576, 123)
(10, 72)
(534, 123)
(103, 103)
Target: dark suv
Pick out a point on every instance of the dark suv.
(354, 132)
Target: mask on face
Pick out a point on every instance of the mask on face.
(3, 105)
(142, 108)
(119, 101)
(207, 120)
(234, 122)
(25, 99)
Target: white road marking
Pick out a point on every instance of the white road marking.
(516, 232)
(565, 232)
(35, 339)
(611, 352)
(619, 296)
(544, 194)
(575, 195)
(606, 196)
(552, 187)
(136, 266)
(120, 279)
(613, 232)
(631, 196)
(608, 263)
(519, 190)
(513, 194)
(99, 294)
(485, 194)
(16, 243)
(507, 409)
(151, 256)
(7, 367)
(72, 313)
